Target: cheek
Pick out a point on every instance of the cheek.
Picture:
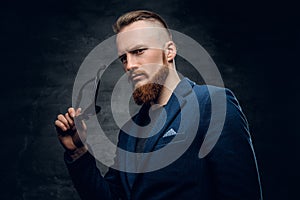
(153, 61)
(155, 56)
(151, 69)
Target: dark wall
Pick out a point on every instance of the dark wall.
(255, 45)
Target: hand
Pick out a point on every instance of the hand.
(68, 133)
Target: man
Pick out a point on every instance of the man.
(228, 171)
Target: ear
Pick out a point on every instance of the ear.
(170, 49)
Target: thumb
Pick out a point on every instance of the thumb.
(78, 111)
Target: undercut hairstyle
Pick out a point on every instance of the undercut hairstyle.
(137, 15)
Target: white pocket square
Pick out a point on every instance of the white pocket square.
(169, 133)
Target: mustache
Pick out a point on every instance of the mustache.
(132, 73)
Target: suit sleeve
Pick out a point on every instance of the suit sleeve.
(89, 182)
(232, 160)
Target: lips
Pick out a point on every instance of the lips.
(135, 77)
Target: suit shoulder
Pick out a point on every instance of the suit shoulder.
(209, 91)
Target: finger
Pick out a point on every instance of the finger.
(60, 125)
(71, 112)
(62, 118)
(78, 111)
(70, 121)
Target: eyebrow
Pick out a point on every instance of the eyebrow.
(138, 46)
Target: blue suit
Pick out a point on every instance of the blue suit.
(228, 171)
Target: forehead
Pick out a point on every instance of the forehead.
(141, 33)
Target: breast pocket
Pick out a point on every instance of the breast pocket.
(171, 140)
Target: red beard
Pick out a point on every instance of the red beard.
(150, 92)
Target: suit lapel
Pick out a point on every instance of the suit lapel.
(163, 120)
(173, 107)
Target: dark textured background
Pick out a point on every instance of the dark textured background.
(255, 44)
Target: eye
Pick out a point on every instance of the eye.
(139, 51)
(123, 59)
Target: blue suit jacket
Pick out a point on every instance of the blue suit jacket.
(228, 171)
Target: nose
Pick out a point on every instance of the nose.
(131, 63)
